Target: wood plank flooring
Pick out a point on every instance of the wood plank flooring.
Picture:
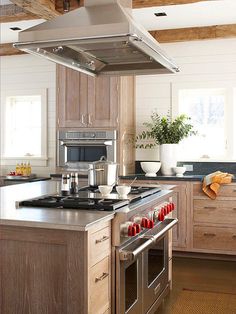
(200, 274)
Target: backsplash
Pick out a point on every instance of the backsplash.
(199, 168)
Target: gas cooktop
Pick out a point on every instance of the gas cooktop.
(90, 198)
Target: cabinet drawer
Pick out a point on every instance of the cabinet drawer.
(100, 287)
(100, 245)
(225, 190)
(214, 211)
(214, 238)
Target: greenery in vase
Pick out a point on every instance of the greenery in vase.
(164, 130)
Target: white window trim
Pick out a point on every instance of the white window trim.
(37, 161)
(230, 136)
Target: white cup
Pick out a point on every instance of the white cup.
(105, 190)
(123, 190)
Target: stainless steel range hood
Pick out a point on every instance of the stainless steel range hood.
(99, 38)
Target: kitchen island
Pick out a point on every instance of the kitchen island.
(63, 260)
(52, 260)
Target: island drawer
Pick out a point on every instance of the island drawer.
(100, 287)
(228, 190)
(214, 211)
(100, 245)
(214, 238)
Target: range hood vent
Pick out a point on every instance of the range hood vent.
(100, 38)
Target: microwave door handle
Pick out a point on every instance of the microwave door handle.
(65, 155)
(165, 226)
(86, 143)
(129, 254)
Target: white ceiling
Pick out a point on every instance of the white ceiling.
(178, 16)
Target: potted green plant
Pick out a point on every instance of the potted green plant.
(167, 133)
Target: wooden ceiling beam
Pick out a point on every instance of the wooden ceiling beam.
(138, 4)
(13, 13)
(194, 33)
(44, 9)
(9, 50)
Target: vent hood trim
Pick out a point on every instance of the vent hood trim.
(114, 49)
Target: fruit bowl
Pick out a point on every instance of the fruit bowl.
(150, 168)
(179, 171)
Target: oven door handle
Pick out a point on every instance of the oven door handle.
(158, 231)
(131, 251)
(86, 143)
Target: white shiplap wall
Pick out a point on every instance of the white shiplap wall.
(199, 61)
(30, 72)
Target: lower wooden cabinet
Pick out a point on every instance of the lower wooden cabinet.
(218, 239)
(53, 271)
(213, 223)
(99, 290)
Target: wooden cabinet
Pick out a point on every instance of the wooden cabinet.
(55, 271)
(99, 252)
(104, 102)
(214, 221)
(84, 101)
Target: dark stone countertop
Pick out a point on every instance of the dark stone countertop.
(166, 178)
(27, 180)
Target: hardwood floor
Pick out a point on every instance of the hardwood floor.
(200, 274)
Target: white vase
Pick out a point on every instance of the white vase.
(168, 158)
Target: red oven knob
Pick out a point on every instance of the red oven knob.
(172, 206)
(161, 216)
(151, 224)
(137, 227)
(131, 231)
(168, 208)
(144, 222)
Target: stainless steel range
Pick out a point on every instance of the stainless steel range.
(140, 238)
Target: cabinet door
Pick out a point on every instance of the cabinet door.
(103, 99)
(72, 97)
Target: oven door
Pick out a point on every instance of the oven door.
(129, 277)
(156, 263)
(81, 152)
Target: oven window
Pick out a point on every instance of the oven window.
(131, 285)
(156, 260)
(85, 153)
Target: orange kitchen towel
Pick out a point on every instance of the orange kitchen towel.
(211, 182)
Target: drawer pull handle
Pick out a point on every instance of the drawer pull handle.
(207, 234)
(234, 208)
(104, 238)
(102, 277)
(234, 236)
(209, 207)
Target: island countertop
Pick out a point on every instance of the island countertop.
(51, 218)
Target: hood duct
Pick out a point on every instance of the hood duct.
(100, 38)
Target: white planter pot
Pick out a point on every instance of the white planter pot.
(168, 158)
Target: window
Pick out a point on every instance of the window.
(24, 125)
(210, 107)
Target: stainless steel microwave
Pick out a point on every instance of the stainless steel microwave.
(76, 149)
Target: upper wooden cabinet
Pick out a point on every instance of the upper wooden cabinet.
(84, 101)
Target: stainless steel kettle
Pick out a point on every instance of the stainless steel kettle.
(102, 172)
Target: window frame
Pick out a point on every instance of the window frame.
(230, 113)
(39, 161)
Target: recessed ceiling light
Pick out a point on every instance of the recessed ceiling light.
(15, 28)
(160, 14)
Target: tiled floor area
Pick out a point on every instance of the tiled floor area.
(200, 274)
